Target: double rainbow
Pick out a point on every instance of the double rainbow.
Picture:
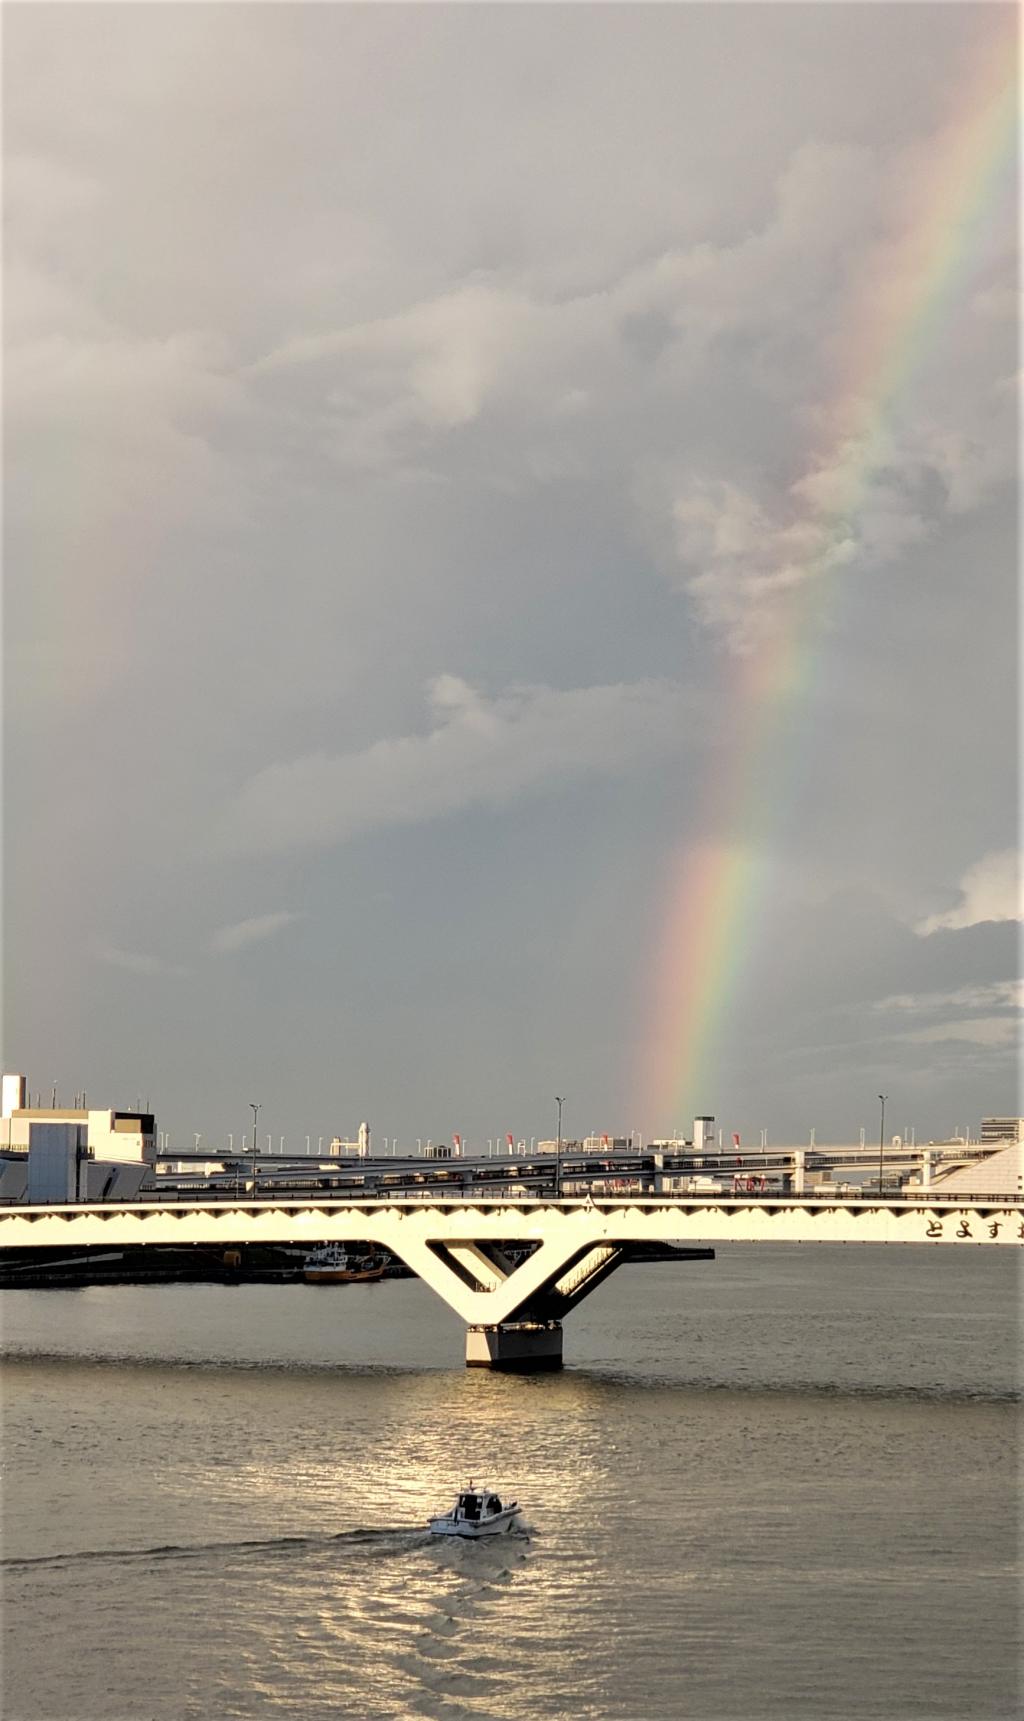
(716, 887)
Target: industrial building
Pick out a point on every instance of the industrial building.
(78, 1153)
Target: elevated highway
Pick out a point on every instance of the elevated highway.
(661, 1168)
(513, 1267)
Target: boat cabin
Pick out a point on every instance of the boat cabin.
(476, 1512)
(475, 1504)
(329, 1255)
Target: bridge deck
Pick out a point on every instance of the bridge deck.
(640, 1219)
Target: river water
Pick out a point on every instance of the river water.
(780, 1484)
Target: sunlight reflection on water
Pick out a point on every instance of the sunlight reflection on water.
(805, 1523)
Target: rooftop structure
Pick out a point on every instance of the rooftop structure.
(993, 1174)
(71, 1152)
(998, 1129)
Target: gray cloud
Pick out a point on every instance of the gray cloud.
(479, 752)
(529, 346)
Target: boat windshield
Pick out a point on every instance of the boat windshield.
(470, 1505)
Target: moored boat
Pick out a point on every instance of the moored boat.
(476, 1512)
(332, 1264)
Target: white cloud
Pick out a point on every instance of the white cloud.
(134, 961)
(748, 554)
(479, 752)
(242, 933)
(997, 994)
(441, 354)
(992, 1031)
(989, 890)
(746, 549)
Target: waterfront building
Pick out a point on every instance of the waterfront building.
(999, 1129)
(93, 1152)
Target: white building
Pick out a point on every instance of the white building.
(360, 1147)
(995, 1130)
(93, 1152)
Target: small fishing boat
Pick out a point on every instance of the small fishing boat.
(476, 1512)
(332, 1264)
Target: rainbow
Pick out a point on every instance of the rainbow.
(716, 887)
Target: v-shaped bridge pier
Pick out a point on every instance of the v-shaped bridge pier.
(513, 1296)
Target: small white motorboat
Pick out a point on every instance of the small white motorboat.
(476, 1512)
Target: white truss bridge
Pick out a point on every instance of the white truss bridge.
(512, 1268)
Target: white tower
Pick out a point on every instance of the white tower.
(13, 1094)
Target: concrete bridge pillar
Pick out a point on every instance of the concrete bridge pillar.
(799, 1167)
(519, 1347)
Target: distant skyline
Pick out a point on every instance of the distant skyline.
(511, 541)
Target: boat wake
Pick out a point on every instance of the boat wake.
(385, 1541)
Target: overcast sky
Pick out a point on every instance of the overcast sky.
(405, 410)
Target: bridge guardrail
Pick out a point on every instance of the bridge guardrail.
(491, 1197)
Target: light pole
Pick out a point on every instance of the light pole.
(881, 1143)
(559, 1101)
(255, 1109)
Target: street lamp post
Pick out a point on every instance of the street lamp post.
(559, 1101)
(255, 1109)
(881, 1143)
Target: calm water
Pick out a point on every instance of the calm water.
(782, 1484)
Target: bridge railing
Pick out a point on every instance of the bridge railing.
(448, 1196)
